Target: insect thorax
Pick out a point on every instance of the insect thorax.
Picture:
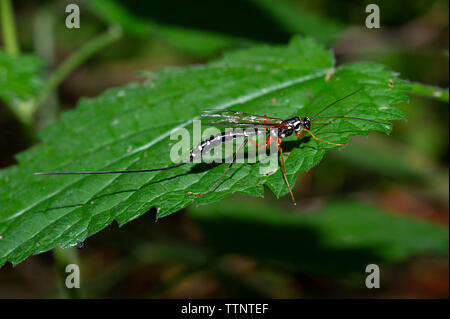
(294, 124)
(285, 131)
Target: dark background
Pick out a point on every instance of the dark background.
(191, 255)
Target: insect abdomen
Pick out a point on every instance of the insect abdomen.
(205, 146)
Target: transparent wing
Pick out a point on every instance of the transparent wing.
(230, 118)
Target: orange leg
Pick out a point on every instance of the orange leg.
(265, 121)
(223, 174)
(268, 142)
(316, 138)
(300, 135)
(284, 171)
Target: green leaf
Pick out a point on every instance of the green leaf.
(338, 238)
(19, 76)
(129, 128)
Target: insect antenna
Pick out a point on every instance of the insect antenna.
(112, 172)
(352, 118)
(338, 100)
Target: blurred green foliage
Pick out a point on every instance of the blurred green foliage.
(339, 238)
(62, 210)
(196, 30)
(227, 249)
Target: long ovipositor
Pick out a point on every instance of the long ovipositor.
(204, 147)
(249, 125)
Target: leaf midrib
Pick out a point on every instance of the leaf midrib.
(70, 160)
(161, 137)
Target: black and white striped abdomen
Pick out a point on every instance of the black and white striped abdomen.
(205, 146)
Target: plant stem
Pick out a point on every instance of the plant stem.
(72, 62)
(64, 257)
(44, 48)
(429, 91)
(8, 27)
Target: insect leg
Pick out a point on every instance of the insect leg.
(316, 138)
(300, 135)
(223, 174)
(268, 142)
(284, 171)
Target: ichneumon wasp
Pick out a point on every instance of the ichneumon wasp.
(255, 125)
